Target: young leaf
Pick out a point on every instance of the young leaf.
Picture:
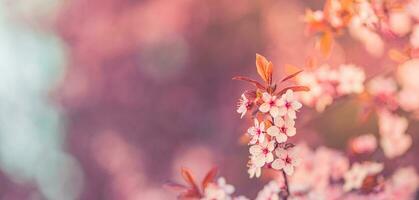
(175, 186)
(269, 73)
(291, 76)
(256, 83)
(261, 67)
(297, 88)
(187, 176)
(209, 178)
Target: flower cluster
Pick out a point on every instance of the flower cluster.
(367, 21)
(328, 83)
(335, 178)
(274, 121)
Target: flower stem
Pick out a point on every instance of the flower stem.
(287, 190)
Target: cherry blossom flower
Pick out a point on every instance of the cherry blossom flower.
(395, 145)
(400, 22)
(269, 192)
(227, 188)
(286, 161)
(214, 192)
(262, 152)
(394, 141)
(257, 132)
(282, 129)
(407, 77)
(364, 144)
(358, 172)
(351, 79)
(254, 169)
(271, 104)
(244, 105)
(290, 104)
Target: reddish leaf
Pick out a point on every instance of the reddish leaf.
(175, 186)
(268, 74)
(256, 83)
(209, 178)
(187, 176)
(291, 76)
(261, 62)
(295, 89)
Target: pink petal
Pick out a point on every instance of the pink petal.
(289, 170)
(278, 164)
(280, 138)
(264, 107)
(273, 131)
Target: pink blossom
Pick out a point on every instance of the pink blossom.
(289, 104)
(282, 129)
(244, 105)
(271, 104)
(257, 132)
(351, 79)
(414, 36)
(287, 160)
(269, 192)
(358, 172)
(262, 152)
(364, 144)
(394, 141)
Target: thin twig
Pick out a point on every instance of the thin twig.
(286, 185)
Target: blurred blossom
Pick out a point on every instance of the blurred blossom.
(393, 137)
(364, 144)
(408, 97)
(400, 22)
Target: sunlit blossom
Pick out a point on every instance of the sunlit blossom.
(257, 132)
(287, 160)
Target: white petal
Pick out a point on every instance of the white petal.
(273, 131)
(274, 111)
(278, 164)
(256, 122)
(282, 111)
(259, 161)
(289, 170)
(281, 153)
(296, 105)
(261, 138)
(279, 121)
(271, 145)
(291, 131)
(258, 172)
(280, 138)
(251, 131)
(264, 107)
(266, 97)
(255, 150)
(262, 126)
(269, 157)
(291, 114)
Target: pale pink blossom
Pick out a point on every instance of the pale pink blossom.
(394, 141)
(351, 79)
(407, 74)
(358, 172)
(412, 8)
(257, 132)
(400, 22)
(290, 104)
(408, 99)
(262, 152)
(395, 145)
(269, 192)
(382, 86)
(244, 105)
(364, 144)
(282, 129)
(287, 160)
(214, 192)
(271, 104)
(254, 169)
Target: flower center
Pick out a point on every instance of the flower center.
(288, 160)
(265, 151)
(283, 129)
(287, 105)
(272, 103)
